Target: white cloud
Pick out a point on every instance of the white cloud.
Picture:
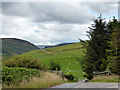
(48, 23)
(49, 33)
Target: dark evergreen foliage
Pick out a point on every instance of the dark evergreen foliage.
(103, 48)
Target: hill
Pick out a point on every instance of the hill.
(68, 56)
(61, 44)
(41, 46)
(14, 46)
(49, 46)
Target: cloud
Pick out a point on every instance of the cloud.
(49, 23)
(101, 7)
(42, 33)
(47, 12)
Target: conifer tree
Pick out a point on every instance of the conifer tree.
(98, 44)
(96, 59)
(114, 49)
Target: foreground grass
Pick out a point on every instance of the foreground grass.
(110, 78)
(45, 81)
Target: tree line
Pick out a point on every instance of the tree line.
(103, 47)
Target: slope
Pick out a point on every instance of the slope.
(69, 57)
(13, 46)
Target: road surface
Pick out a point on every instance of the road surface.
(87, 85)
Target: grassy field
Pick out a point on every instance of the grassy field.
(68, 56)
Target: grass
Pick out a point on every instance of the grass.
(13, 46)
(68, 56)
(109, 78)
(45, 81)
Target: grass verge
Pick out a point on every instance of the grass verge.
(46, 80)
(110, 78)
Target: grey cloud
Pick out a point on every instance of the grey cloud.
(61, 13)
(100, 7)
(16, 9)
(47, 12)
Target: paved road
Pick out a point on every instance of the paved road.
(87, 85)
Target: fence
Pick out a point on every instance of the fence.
(102, 73)
(61, 73)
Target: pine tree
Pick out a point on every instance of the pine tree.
(98, 43)
(96, 59)
(114, 49)
(110, 26)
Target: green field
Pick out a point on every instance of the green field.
(68, 56)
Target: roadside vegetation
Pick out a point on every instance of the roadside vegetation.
(27, 72)
(108, 78)
(45, 80)
(14, 75)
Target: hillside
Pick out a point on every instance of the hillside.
(69, 57)
(13, 46)
(49, 46)
(61, 44)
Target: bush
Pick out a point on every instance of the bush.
(24, 61)
(69, 77)
(89, 76)
(88, 71)
(55, 66)
(14, 75)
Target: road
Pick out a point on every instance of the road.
(87, 85)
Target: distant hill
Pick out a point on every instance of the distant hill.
(62, 44)
(41, 46)
(14, 46)
(49, 46)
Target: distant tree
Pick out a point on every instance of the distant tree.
(52, 65)
(55, 66)
(58, 66)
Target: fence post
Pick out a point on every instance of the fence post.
(76, 79)
(62, 75)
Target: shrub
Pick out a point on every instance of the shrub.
(69, 77)
(24, 61)
(55, 66)
(14, 75)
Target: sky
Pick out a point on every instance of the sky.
(49, 23)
